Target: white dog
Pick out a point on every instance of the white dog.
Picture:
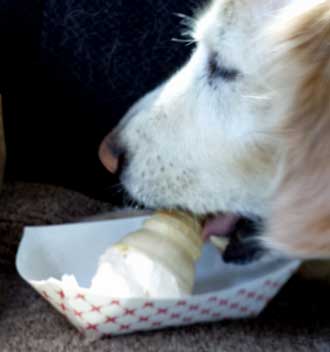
(243, 128)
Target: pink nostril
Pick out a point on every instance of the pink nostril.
(108, 157)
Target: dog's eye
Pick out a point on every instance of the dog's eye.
(218, 71)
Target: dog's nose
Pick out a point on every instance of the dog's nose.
(111, 153)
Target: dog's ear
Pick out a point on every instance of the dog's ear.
(299, 221)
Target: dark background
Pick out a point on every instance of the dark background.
(69, 69)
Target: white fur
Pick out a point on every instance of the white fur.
(203, 144)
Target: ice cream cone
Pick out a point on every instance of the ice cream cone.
(156, 261)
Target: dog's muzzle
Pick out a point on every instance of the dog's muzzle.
(243, 232)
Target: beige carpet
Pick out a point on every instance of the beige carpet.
(297, 320)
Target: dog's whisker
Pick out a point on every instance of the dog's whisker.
(257, 97)
(130, 202)
(182, 40)
(184, 16)
(180, 14)
(189, 23)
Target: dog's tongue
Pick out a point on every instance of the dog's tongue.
(220, 225)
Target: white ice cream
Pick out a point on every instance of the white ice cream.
(158, 261)
(128, 273)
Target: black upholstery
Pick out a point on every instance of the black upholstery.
(70, 71)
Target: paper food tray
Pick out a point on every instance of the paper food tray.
(221, 291)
